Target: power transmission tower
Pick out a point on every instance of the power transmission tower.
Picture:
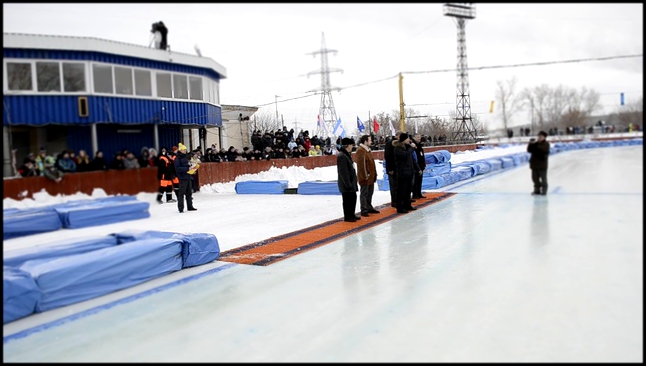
(327, 112)
(466, 131)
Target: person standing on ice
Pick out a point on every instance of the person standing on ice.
(539, 150)
(347, 180)
(182, 166)
(366, 175)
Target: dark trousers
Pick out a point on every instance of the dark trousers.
(365, 197)
(404, 188)
(539, 177)
(392, 183)
(349, 204)
(417, 185)
(185, 190)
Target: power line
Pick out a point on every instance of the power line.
(527, 64)
(470, 68)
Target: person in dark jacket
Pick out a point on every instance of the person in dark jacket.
(405, 168)
(99, 162)
(539, 150)
(389, 160)
(347, 180)
(185, 190)
(421, 163)
(117, 161)
(28, 169)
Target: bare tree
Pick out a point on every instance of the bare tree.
(264, 120)
(509, 102)
(632, 112)
(581, 105)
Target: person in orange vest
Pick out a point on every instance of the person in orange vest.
(165, 168)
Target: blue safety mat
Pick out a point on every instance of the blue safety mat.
(197, 248)
(16, 257)
(20, 294)
(437, 169)
(71, 279)
(102, 213)
(437, 157)
(319, 187)
(17, 223)
(72, 215)
(262, 187)
(62, 273)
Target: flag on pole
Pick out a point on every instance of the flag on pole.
(375, 125)
(318, 121)
(338, 129)
(392, 128)
(491, 107)
(360, 125)
(621, 97)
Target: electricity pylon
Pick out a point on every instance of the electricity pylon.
(327, 112)
(466, 131)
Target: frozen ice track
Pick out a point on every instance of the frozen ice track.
(491, 274)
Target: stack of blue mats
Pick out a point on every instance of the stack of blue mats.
(102, 212)
(42, 278)
(437, 157)
(16, 223)
(319, 187)
(262, 187)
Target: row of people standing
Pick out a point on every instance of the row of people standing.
(362, 180)
(405, 164)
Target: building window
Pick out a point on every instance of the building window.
(143, 86)
(164, 89)
(123, 80)
(195, 86)
(19, 76)
(73, 77)
(205, 92)
(48, 76)
(216, 93)
(209, 92)
(102, 78)
(180, 88)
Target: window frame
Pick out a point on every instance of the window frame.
(210, 90)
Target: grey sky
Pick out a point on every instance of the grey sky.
(264, 48)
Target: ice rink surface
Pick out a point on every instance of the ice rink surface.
(492, 274)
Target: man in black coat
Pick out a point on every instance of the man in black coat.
(389, 159)
(539, 150)
(421, 163)
(182, 166)
(405, 168)
(347, 180)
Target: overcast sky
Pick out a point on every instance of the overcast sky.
(265, 49)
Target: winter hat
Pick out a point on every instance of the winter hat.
(403, 137)
(181, 147)
(347, 141)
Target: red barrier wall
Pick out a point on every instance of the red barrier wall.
(131, 182)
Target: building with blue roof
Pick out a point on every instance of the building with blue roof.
(83, 93)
